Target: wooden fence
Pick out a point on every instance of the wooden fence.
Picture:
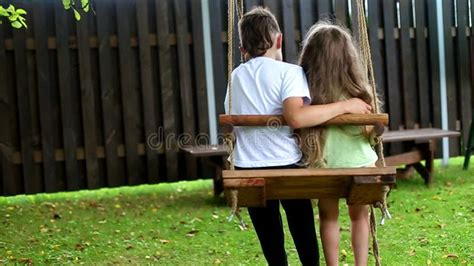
(81, 102)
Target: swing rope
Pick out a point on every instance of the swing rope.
(229, 137)
(364, 45)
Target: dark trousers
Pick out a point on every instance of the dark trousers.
(268, 224)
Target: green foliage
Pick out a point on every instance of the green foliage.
(16, 15)
(181, 224)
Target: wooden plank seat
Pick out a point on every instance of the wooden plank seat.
(357, 185)
(421, 145)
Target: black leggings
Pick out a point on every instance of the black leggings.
(269, 227)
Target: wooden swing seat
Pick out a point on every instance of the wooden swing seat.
(357, 185)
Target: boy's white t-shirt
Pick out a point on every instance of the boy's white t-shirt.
(259, 87)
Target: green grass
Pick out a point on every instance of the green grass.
(181, 223)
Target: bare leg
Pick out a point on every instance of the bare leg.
(359, 215)
(329, 229)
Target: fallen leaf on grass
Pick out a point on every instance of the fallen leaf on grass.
(25, 261)
(79, 247)
(450, 256)
(423, 241)
(164, 241)
(436, 198)
(192, 233)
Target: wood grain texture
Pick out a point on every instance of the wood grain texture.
(46, 99)
(11, 181)
(169, 108)
(316, 174)
(110, 95)
(409, 91)
(130, 94)
(89, 108)
(148, 91)
(187, 95)
(278, 120)
(422, 66)
(464, 86)
(69, 92)
(31, 173)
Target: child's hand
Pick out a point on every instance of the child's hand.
(356, 106)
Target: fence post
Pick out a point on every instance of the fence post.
(442, 77)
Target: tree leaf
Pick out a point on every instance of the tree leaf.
(85, 5)
(11, 9)
(77, 15)
(3, 12)
(67, 4)
(20, 11)
(16, 24)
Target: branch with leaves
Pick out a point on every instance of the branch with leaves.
(16, 16)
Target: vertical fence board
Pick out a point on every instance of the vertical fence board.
(45, 95)
(249, 4)
(409, 92)
(167, 93)
(148, 96)
(374, 16)
(70, 109)
(392, 68)
(200, 83)
(199, 70)
(354, 20)
(88, 104)
(464, 84)
(129, 94)
(340, 10)
(306, 16)
(422, 65)
(218, 56)
(275, 8)
(10, 180)
(448, 22)
(434, 64)
(110, 95)
(186, 90)
(291, 52)
(324, 9)
(31, 171)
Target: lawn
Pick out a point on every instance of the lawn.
(181, 223)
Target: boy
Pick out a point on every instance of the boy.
(266, 85)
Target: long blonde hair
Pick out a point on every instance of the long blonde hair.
(335, 72)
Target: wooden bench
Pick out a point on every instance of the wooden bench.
(421, 141)
(214, 155)
(422, 144)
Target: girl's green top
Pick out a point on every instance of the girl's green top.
(347, 146)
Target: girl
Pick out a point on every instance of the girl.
(334, 71)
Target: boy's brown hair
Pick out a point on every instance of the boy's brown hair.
(257, 28)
